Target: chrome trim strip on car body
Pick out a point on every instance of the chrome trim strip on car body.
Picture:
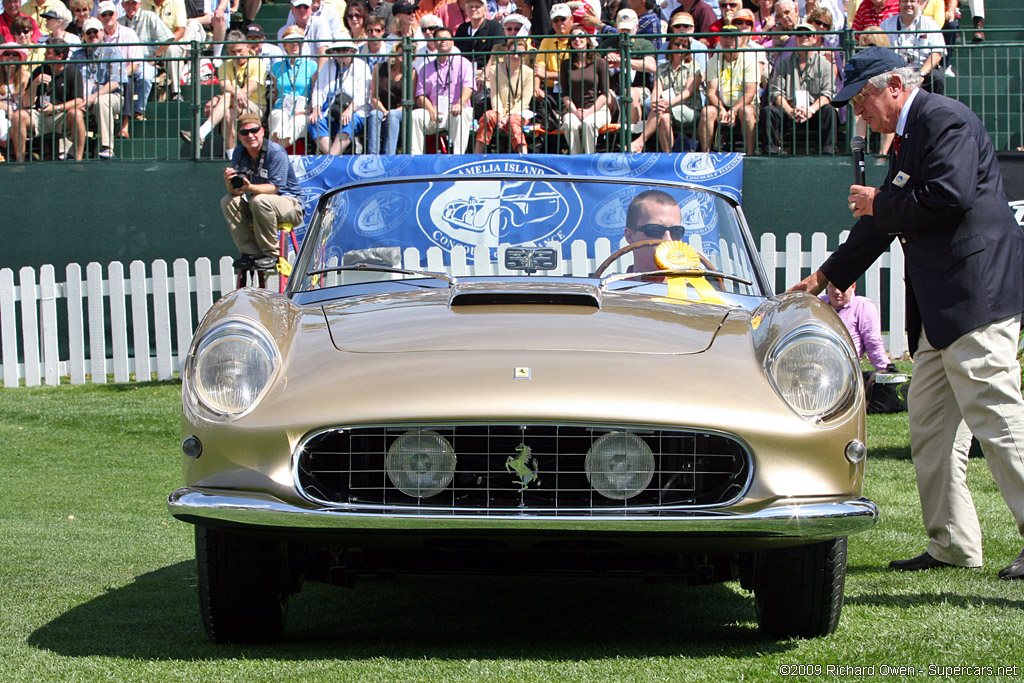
(780, 520)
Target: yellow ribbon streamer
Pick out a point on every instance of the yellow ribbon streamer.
(676, 255)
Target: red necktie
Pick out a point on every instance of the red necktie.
(896, 144)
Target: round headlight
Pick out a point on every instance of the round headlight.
(619, 465)
(421, 463)
(813, 374)
(233, 366)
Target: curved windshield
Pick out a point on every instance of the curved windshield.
(544, 226)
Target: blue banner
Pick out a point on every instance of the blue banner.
(391, 218)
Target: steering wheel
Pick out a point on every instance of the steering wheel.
(619, 253)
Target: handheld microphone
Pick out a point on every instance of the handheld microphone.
(858, 145)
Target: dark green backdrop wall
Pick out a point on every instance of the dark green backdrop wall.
(122, 211)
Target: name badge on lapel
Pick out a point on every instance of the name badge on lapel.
(901, 179)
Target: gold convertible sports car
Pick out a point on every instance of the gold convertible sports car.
(502, 409)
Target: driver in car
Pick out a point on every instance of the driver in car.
(652, 215)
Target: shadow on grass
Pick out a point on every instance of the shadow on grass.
(957, 600)
(156, 617)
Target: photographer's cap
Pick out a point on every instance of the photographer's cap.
(248, 118)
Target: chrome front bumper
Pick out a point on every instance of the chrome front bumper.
(781, 520)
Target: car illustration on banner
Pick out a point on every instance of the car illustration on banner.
(499, 209)
(653, 410)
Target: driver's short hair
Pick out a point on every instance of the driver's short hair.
(656, 196)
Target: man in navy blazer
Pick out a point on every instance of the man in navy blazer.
(943, 199)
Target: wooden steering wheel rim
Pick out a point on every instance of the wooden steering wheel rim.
(622, 251)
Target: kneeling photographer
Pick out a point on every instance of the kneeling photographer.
(262, 192)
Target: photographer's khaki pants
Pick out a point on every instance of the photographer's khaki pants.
(253, 220)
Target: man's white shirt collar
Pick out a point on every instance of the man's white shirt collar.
(905, 112)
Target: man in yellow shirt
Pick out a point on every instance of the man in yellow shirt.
(243, 84)
(732, 80)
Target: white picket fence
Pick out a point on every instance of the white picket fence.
(106, 309)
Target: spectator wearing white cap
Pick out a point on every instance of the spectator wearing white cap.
(105, 80)
(37, 8)
(553, 51)
(426, 50)
(516, 26)
(325, 11)
(639, 71)
(149, 29)
(57, 20)
(340, 98)
(317, 31)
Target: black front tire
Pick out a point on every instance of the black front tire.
(799, 591)
(244, 585)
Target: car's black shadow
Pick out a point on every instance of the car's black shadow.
(156, 617)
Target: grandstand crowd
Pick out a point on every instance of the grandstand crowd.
(454, 76)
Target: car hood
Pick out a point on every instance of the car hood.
(522, 316)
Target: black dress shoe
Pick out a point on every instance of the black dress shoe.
(1015, 570)
(243, 262)
(922, 561)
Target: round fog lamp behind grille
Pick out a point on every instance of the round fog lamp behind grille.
(619, 465)
(421, 463)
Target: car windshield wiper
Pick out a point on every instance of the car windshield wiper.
(685, 272)
(385, 269)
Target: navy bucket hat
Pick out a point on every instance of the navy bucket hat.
(864, 66)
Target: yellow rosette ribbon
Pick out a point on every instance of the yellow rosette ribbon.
(676, 255)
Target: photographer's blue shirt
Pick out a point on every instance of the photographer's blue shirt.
(272, 167)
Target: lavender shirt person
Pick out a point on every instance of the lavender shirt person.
(860, 315)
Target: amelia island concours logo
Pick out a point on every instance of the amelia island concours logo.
(695, 166)
(529, 211)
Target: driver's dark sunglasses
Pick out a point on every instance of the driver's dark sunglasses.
(249, 131)
(654, 231)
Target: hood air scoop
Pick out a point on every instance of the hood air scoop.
(531, 294)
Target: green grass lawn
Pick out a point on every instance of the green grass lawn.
(97, 582)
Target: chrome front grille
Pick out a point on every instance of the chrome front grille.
(692, 469)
